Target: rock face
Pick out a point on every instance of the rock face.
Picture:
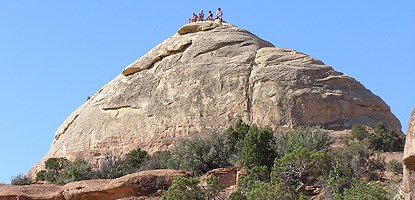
(44, 192)
(201, 80)
(409, 160)
(140, 185)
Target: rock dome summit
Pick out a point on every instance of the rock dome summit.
(202, 79)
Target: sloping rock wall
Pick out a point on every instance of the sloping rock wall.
(201, 80)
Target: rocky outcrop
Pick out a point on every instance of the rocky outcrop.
(409, 160)
(201, 80)
(43, 192)
(227, 176)
(141, 185)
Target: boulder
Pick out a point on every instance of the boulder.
(140, 184)
(201, 80)
(35, 192)
(227, 176)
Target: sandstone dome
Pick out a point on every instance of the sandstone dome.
(202, 79)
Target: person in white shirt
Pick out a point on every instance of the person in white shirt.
(219, 14)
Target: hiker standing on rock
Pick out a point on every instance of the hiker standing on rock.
(219, 14)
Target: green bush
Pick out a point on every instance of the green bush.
(258, 148)
(298, 169)
(61, 171)
(40, 176)
(201, 154)
(54, 167)
(338, 178)
(188, 189)
(159, 160)
(385, 140)
(396, 167)
(235, 136)
(76, 171)
(312, 138)
(361, 190)
(134, 160)
(359, 132)
(21, 180)
(246, 184)
(354, 160)
(111, 167)
(184, 189)
(213, 188)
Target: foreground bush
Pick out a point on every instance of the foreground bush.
(258, 148)
(362, 190)
(188, 189)
(396, 167)
(21, 180)
(61, 171)
(76, 171)
(201, 154)
(111, 167)
(312, 138)
(134, 160)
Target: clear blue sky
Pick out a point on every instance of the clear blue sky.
(54, 54)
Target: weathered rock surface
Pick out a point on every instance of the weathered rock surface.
(409, 160)
(200, 80)
(140, 185)
(44, 192)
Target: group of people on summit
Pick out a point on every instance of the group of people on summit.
(201, 16)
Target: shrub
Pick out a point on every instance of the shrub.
(61, 170)
(21, 180)
(361, 190)
(359, 132)
(76, 171)
(265, 191)
(396, 167)
(297, 169)
(235, 136)
(111, 167)
(159, 160)
(258, 148)
(246, 183)
(312, 138)
(134, 160)
(54, 167)
(188, 189)
(40, 176)
(184, 188)
(201, 154)
(337, 178)
(213, 188)
(356, 160)
(385, 140)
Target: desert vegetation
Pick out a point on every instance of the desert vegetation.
(279, 165)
